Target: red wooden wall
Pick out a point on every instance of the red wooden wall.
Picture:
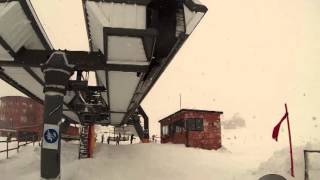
(209, 138)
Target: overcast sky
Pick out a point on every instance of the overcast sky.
(246, 56)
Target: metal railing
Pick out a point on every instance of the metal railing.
(19, 144)
(306, 162)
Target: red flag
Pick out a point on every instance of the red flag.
(276, 129)
(275, 134)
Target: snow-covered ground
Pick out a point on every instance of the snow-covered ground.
(243, 157)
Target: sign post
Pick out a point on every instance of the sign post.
(57, 72)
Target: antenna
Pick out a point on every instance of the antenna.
(180, 100)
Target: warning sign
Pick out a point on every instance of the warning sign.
(50, 136)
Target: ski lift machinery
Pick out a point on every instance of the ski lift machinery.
(131, 44)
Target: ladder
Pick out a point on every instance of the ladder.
(84, 142)
(180, 27)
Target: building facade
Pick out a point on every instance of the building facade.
(194, 128)
(20, 114)
(23, 117)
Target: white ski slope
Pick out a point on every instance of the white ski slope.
(241, 159)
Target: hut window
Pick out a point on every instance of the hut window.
(178, 129)
(23, 119)
(179, 126)
(165, 130)
(195, 124)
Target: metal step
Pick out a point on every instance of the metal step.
(83, 146)
(180, 28)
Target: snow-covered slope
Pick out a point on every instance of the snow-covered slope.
(135, 162)
(279, 162)
(244, 156)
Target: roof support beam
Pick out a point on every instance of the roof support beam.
(14, 84)
(7, 47)
(85, 13)
(6, 1)
(138, 2)
(108, 91)
(145, 122)
(37, 27)
(152, 77)
(88, 67)
(34, 75)
(195, 7)
(87, 61)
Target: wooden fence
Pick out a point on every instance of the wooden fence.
(19, 144)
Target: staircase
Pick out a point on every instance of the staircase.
(139, 129)
(180, 27)
(83, 148)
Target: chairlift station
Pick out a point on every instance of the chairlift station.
(131, 44)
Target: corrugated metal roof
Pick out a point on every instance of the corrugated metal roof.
(191, 110)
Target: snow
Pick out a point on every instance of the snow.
(279, 163)
(243, 157)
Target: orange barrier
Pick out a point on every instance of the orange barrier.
(91, 141)
(145, 141)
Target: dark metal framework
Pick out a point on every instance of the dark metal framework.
(108, 91)
(85, 13)
(34, 24)
(6, 46)
(83, 61)
(161, 40)
(195, 7)
(93, 61)
(138, 2)
(152, 76)
(24, 65)
(88, 61)
(142, 131)
(145, 122)
(17, 86)
(27, 68)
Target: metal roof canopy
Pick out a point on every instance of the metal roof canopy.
(131, 43)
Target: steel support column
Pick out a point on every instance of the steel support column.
(145, 122)
(57, 72)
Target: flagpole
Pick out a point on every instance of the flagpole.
(290, 141)
(180, 100)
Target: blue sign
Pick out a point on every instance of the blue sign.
(51, 136)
